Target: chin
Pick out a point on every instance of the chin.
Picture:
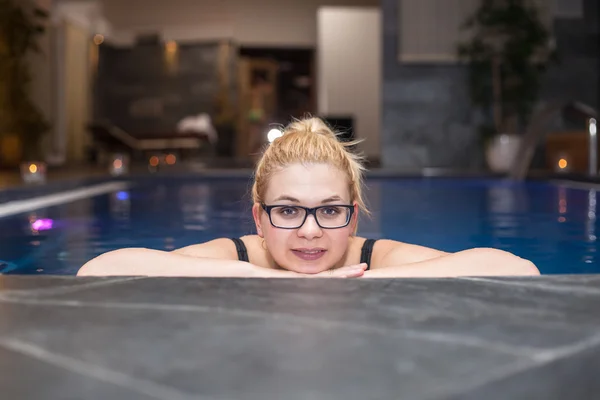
(308, 267)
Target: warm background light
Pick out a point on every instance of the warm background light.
(171, 57)
(562, 163)
(33, 168)
(171, 46)
(98, 39)
(153, 161)
(170, 159)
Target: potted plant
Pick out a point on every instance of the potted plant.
(22, 125)
(508, 51)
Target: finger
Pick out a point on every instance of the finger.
(363, 266)
(350, 271)
(354, 273)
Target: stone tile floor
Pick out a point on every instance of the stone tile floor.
(176, 338)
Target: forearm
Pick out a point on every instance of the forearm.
(473, 262)
(147, 262)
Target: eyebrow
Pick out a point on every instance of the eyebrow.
(294, 200)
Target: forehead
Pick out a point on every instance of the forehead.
(311, 182)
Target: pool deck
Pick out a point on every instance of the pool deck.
(59, 178)
(174, 338)
(12, 179)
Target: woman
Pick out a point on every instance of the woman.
(307, 195)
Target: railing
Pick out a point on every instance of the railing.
(593, 165)
(536, 129)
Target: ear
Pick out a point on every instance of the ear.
(256, 210)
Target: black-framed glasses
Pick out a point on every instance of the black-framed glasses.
(293, 217)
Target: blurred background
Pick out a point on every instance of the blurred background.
(178, 97)
(427, 83)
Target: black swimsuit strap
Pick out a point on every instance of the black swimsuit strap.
(367, 252)
(241, 249)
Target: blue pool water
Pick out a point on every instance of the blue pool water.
(554, 225)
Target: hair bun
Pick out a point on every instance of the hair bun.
(311, 125)
(308, 141)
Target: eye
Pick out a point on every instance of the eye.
(287, 211)
(331, 211)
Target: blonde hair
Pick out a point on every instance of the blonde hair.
(310, 141)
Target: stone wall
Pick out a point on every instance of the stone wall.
(576, 76)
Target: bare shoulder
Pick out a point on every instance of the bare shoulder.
(257, 253)
(390, 252)
(223, 248)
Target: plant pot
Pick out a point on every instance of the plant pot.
(33, 172)
(11, 150)
(501, 151)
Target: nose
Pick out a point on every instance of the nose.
(310, 229)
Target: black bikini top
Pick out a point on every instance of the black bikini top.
(365, 253)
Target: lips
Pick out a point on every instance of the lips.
(309, 254)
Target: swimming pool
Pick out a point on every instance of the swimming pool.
(551, 223)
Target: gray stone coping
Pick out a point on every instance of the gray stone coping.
(188, 338)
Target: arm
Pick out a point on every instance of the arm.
(473, 262)
(216, 258)
(147, 262)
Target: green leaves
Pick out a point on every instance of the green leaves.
(510, 31)
(20, 28)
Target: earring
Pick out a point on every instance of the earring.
(263, 244)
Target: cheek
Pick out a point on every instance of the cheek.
(278, 243)
(276, 239)
(265, 223)
(339, 239)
